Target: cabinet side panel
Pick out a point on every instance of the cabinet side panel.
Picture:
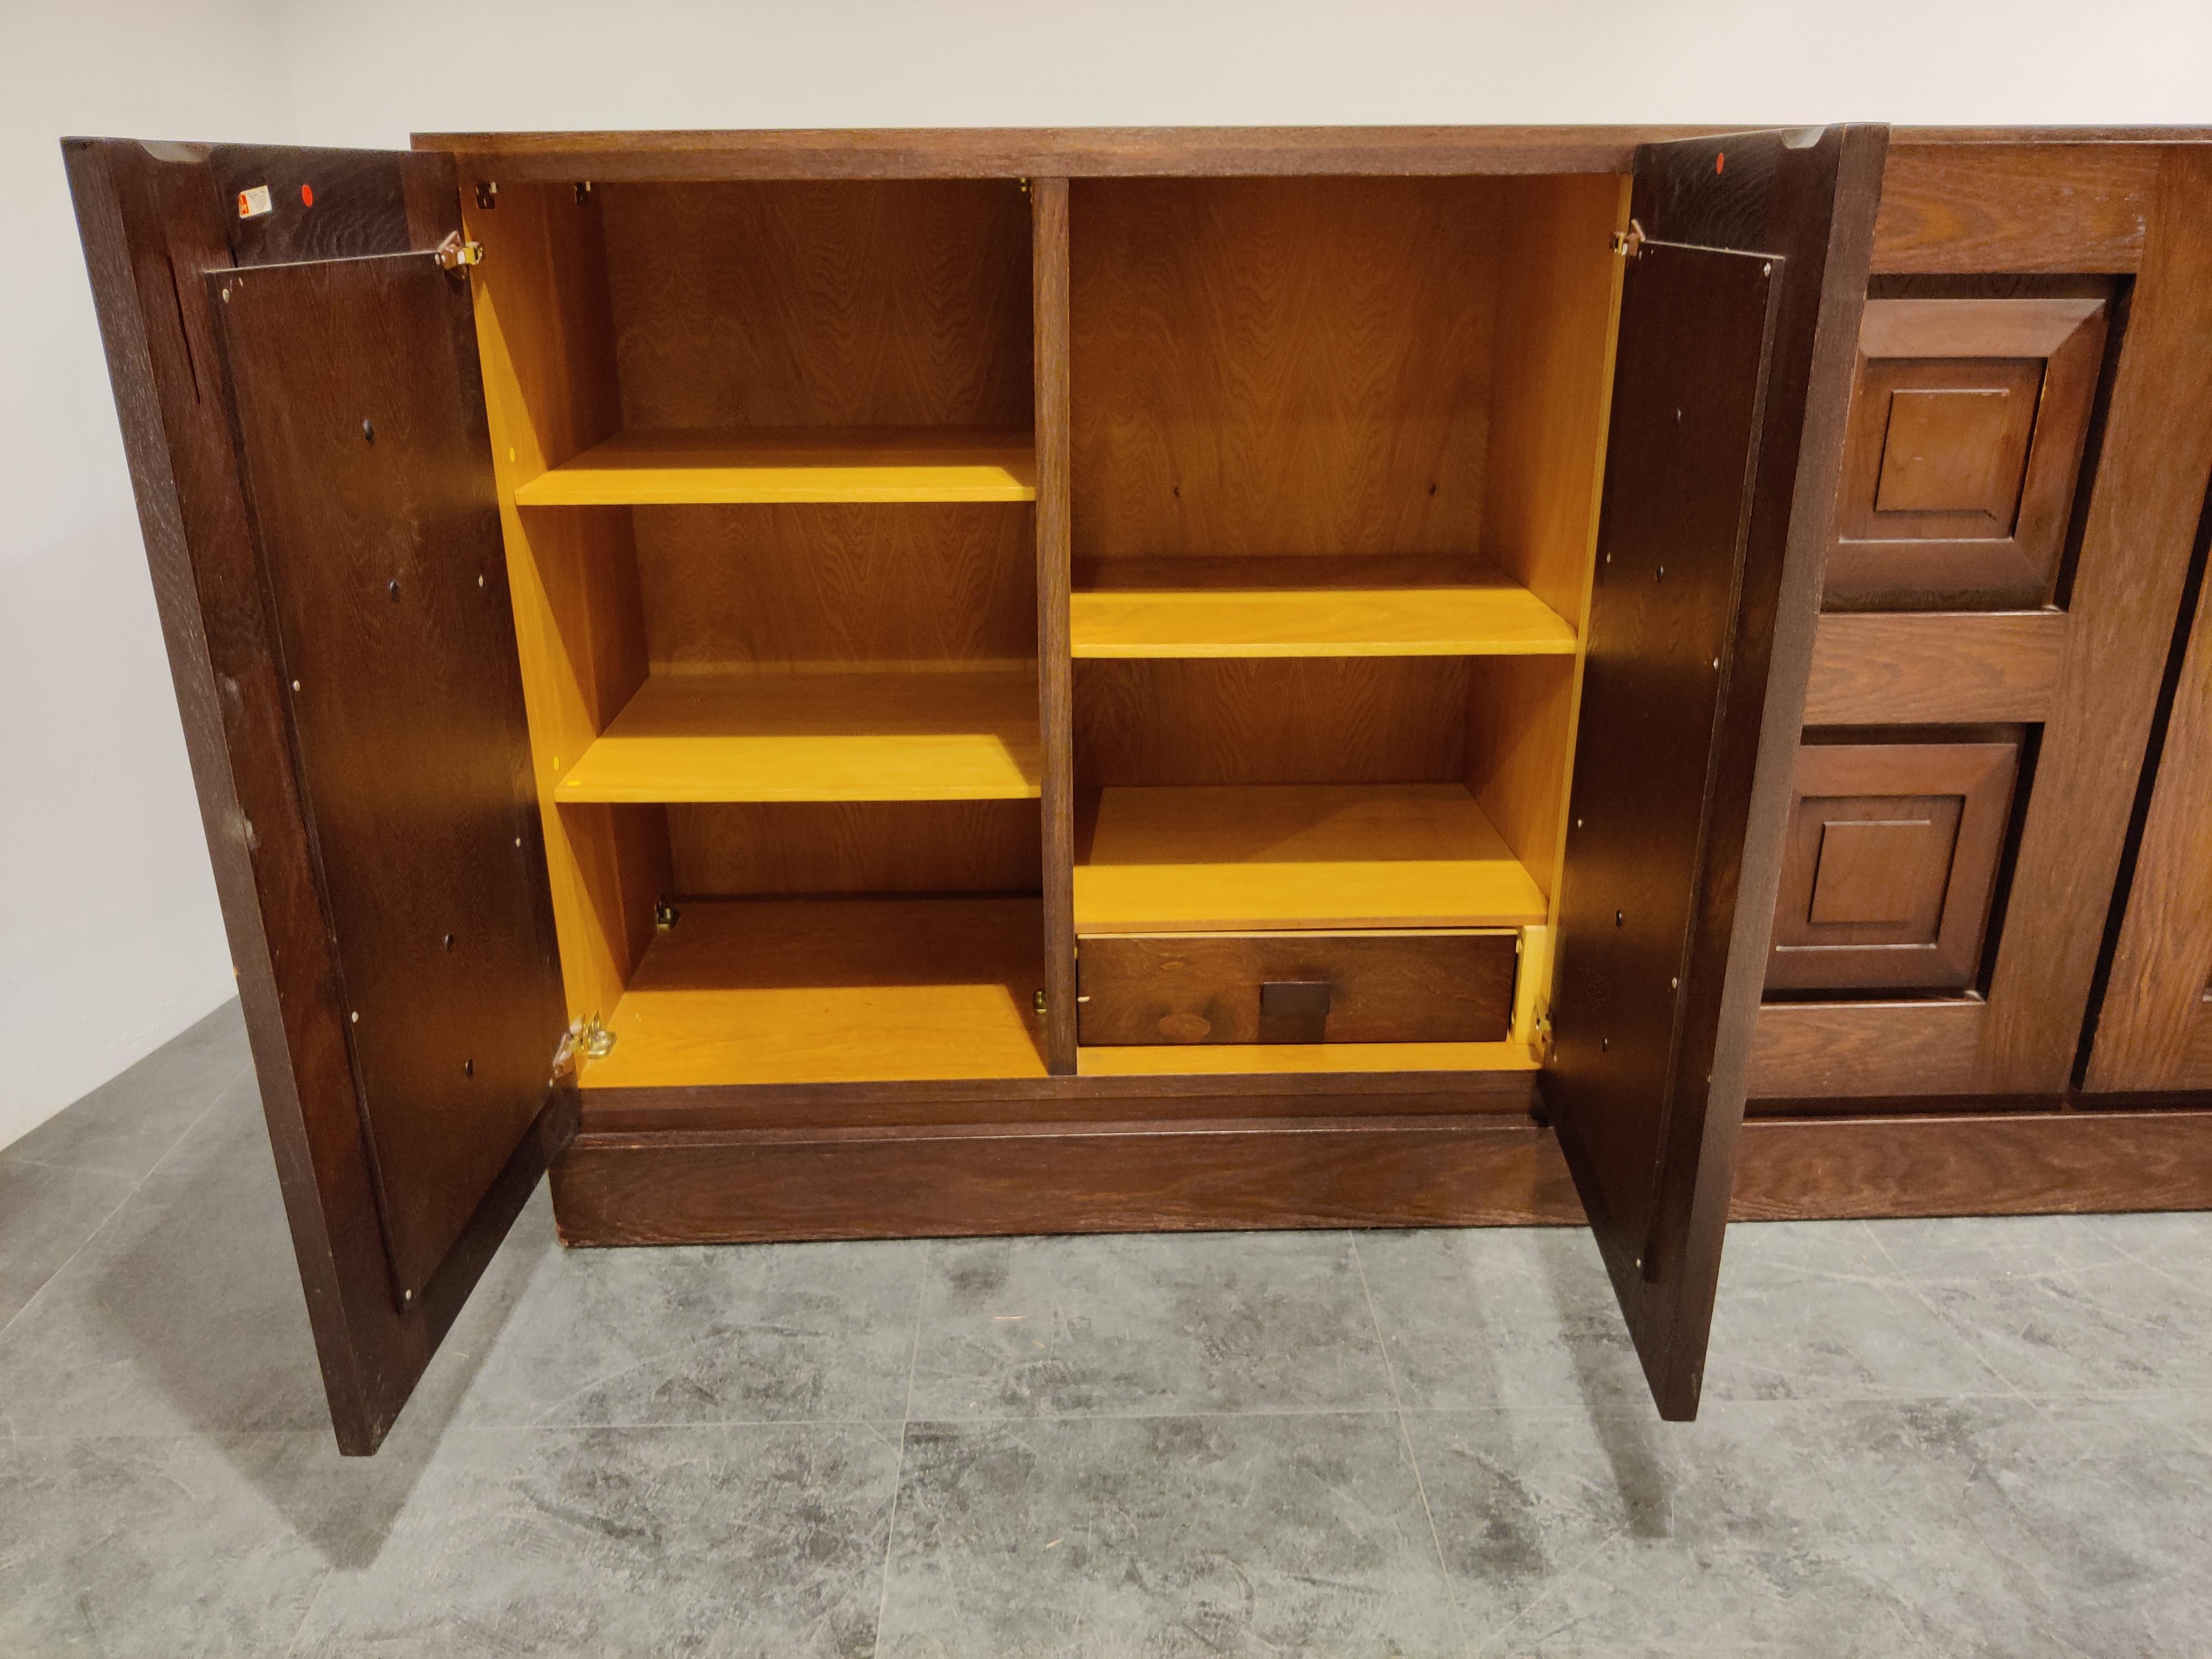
(545, 343)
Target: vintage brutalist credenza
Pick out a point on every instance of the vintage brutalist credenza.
(890, 683)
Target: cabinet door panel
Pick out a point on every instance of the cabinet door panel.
(1737, 328)
(358, 820)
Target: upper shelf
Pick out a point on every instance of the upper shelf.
(1411, 606)
(956, 734)
(1202, 859)
(884, 463)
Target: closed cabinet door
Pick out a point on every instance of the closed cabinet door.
(2023, 473)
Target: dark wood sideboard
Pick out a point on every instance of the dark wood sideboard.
(847, 684)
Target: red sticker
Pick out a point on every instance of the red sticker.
(306, 196)
(1720, 160)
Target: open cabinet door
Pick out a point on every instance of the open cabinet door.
(295, 370)
(1740, 308)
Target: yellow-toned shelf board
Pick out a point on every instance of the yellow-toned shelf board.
(1308, 607)
(832, 990)
(1238, 858)
(740, 735)
(1213, 1058)
(893, 463)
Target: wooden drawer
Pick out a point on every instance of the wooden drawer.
(1396, 986)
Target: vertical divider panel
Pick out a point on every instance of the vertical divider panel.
(1055, 666)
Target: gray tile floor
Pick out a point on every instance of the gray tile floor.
(1959, 1437)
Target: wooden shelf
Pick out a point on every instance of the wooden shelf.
(1296, 856)
(832, 990)
(1307, 607)
(892, 463)
(957, 734)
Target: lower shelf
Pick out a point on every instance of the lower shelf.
(1285, 856)
(1218, 1059)
(832, 990)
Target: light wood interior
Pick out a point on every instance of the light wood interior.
(767, 469)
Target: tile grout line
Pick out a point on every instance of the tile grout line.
(906, 1423)
(1405, 1439)
(108, 1220)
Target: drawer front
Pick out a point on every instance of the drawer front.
(1445, 986)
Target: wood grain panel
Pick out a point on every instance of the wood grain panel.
(2155, 1030)
(1033, 152)
(1269, 367)
(2136, 543)
(1270, 720)
(545, 341)
(980, 1180)
(830, 990)
(1967, 424)
(845, 847)
(1395, 986)
(820, 305)
(1816, 1050)
(1992, 207)
(2019, 1163)
(1891, 861)
(1877, 668)
(786, 586)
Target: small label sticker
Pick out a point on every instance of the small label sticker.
(252, 204)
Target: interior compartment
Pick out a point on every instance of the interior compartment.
(1338, 449)
(765, 471)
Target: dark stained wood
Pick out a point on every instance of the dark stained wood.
(1979, 1162)
(2153, 1029)
(1059, 1100)
(1916, 668)
(1967, 425)
(1409, 987)
(1270, 720)
(1810, 196)
(1997, 205)
(355, 391)
(1063, 152)
(1048, 305)
(2136, 544)
(324, 204)
(151, 219)
(1921, 1046)
(798, 1180)
(1892, 859)
(973, 1179)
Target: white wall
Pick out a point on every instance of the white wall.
(109, 940)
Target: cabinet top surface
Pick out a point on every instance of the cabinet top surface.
(1005, 152)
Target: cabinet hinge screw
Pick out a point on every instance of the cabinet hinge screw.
(1038, 1002)
(664, 916)
(1629, 244)
(454, 253)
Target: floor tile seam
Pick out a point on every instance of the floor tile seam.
(10, 1158)
(308, 1614)
(905, 1427)
(1405, 1443)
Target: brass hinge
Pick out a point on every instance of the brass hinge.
(1540, 1036)
(1629, 244)
(454, 253)
(587, 1037)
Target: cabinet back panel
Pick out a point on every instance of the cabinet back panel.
(728, 586)
(851, 303)
(1270, 720)
(855, 847)
(1280, 365)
